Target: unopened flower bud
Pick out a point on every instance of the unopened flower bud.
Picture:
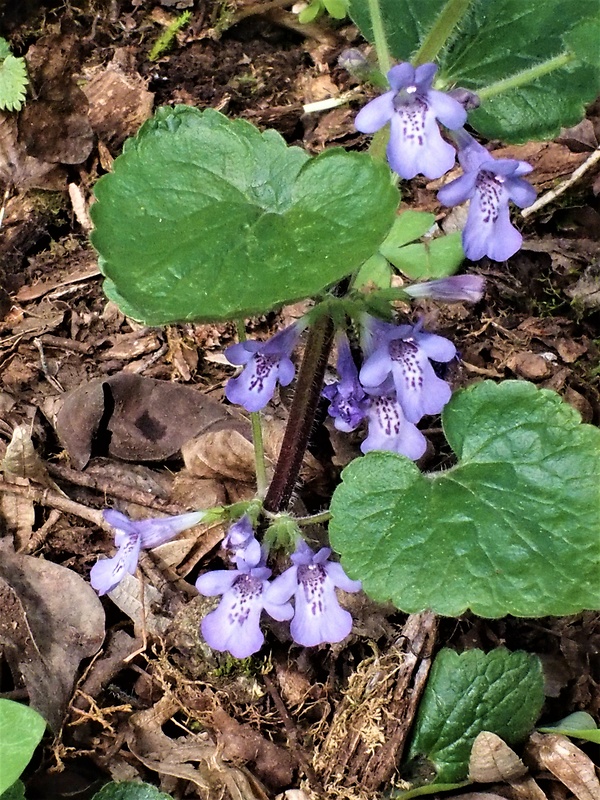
(468, 99)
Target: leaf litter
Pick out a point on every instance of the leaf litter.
(137, 694)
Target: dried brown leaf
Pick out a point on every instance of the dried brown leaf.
(493, 760)
(18, 514)
(46, 633)
(567, 762)
(22, 461)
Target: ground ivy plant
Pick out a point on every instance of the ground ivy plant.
(207, 218)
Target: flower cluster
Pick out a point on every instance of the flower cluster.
(131, 536)
(395, 387)
(413, 109)
(316, 616)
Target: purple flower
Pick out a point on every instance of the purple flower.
(347, 398)
(404, 354)
(413, 108)
(455, 289)
(235, 624)
(489, 184)
(266, 364)
(241, 542)
(318, 616)
(390, 430)
(130, 537)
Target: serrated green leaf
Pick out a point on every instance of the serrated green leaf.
(21, 730)
(579, 725)
(4, 48)
(513, 528)
(536, 65)
(130, 790)
(205, 218)
(500, 692)
(13, 83)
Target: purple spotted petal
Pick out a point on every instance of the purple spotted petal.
(318, 616)
(416, 145)
(216, 582)
(108, 572)
(375, 114)
(390, 430)
(418, 388)
(235, 624)
(346, 396)
(401, 76)
(268, 364)
(241, 542)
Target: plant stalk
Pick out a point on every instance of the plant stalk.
(526, 76)
(381, 45)
(442, 28)
(302, 414)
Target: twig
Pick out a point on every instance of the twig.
(292, 735)
(546, 199)
(107, 487)
(47, 497)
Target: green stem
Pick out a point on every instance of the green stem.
(449, 17)
(257, 434)
(381, 45)
(314, 519)
(525, 77)
(302, 414)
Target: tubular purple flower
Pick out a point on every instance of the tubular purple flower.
(266, 364)
(241, 542)
(347, 397)
(489, 184)
(413, 108)
(235, 624)
(389, 429)
(130, 537)
(404, 354)
(313, 578)
(455, 289)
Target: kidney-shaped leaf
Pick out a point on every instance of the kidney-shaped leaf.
(511, 529)
(206, 218)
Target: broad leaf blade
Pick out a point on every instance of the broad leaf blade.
(205, 218)
(21, 730)
(511, 529)
(468, 693)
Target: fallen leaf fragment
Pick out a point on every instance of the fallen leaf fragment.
(50, 620)
(493, 760)
(558, 755)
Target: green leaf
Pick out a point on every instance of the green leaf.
(433, 258)
(14, 792)
(205, 218)
(311, 12)
(579, 725)
(4, 48)
(21, 730)
(338, 9)
(408, 227)
(511, 529)
(536, 65)
(500, 692)
(13, 83)
(376, 271)
(130, 790)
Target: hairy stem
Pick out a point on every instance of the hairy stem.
(526, 76)
(449, 17)
(302, 414)
(381, 45)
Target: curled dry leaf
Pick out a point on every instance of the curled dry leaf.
(493, 760)
(558, 755)
(21, 459)
(44, 632)
(137, 418)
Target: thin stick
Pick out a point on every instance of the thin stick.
(47, 497)
(547, 198)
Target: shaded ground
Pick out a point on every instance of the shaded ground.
(153, 702)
